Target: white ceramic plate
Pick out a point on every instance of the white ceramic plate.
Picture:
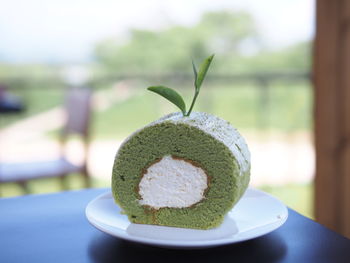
(256, 214)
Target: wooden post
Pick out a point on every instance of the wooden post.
(332, 114)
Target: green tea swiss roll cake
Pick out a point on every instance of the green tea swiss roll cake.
(184, 170)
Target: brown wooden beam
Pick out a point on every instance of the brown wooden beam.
(331, 72)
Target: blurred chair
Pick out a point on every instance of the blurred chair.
(78, 114)
(9, 103)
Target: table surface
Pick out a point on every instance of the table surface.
(53, 228)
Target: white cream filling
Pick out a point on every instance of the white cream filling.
(172, 183)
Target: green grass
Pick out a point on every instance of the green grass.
(297, 196)
(287, 109)
(284, 107)
(124, 117)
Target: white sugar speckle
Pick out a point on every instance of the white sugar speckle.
(218, 128)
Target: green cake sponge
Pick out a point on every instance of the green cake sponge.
(181, 171)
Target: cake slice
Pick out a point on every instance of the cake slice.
(183, 170)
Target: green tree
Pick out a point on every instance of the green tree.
(171, 49)
(296, 57)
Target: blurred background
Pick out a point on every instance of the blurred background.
(81, 68)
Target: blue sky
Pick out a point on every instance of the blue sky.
(64, 31)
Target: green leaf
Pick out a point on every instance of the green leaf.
(198, 79)
(195, 74)
(203, 69)
(170, 95)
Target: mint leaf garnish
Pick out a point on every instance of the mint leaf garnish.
(170, 95)
(199, 77)
(175, 97)
(195, 73)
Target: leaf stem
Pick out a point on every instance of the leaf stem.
(193, 102)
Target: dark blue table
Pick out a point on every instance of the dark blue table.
(53, 228)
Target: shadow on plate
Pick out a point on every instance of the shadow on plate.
(268, 248)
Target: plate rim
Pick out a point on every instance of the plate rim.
(264, 229)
